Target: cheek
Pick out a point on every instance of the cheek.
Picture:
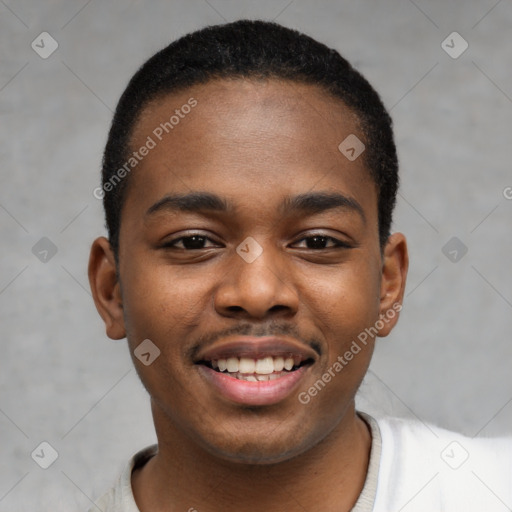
(345, 302)
(162, 305)
(342, 308)
(166, 309)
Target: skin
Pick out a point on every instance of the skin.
(253, 143)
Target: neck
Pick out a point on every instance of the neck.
(183, 476)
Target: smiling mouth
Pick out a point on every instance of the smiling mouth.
(253, 371)
(258, 370)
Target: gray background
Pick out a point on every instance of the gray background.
(63, 381)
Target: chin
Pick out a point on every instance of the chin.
(256, 454)
(263, 448)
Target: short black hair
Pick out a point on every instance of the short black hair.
(250, 49)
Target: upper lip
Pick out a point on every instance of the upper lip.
(256, 348)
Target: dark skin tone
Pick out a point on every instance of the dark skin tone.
(322, 278)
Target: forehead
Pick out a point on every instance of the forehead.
(253, 112)
(271, 137)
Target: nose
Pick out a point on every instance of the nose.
(258, 289)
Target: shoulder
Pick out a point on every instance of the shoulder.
(120, 497)
(423, 467)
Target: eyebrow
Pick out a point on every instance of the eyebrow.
(307, 203)
(192, 202)
(318, 202)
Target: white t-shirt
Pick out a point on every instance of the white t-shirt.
(414, 467)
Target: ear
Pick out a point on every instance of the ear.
(394, 274)
(106, 289)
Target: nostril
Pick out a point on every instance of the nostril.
(235, 308)
(278, 307)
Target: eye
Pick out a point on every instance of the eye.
(319, 242)
(190, 243)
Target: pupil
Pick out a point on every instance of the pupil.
(317, 242)
(193, 242)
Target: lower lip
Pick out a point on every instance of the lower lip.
(253, 393)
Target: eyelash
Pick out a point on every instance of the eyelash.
(338, 244)
(172, 243)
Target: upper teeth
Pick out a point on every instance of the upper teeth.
(263, 366)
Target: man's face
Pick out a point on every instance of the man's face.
(290, 269)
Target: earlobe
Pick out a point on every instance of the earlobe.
(105, 287)
(395, 263)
